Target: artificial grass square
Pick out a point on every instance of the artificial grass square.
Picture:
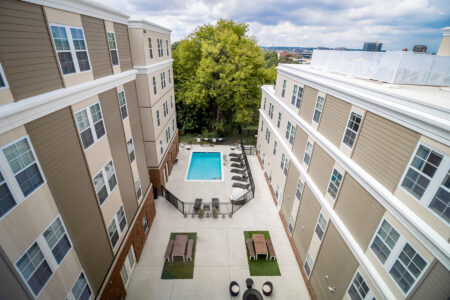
(261, 267)
(179, 269)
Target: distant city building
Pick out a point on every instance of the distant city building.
(341, 49)
(420, 48)
(287, 53)
(323, 48)
(372, 46)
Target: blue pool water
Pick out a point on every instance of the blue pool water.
(205, 166)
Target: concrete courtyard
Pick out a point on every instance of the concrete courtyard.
(220, 251)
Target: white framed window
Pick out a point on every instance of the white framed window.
(121, 219)
(275, 148)
(113, 48)
(128, 266)
(145, 222)
(290, 132)
(160, 48)
(271, 110)
(7, 201)
(440, 204)
(130, 147)
(166, 109)
(88, 120)
(351, 132)
(283, 157)
(321, 226)
(102, 189)
(154, 85)
(285, 163)
(283, 91)
(309, 264)
(161, 146)
(262, 125)
(170, 76)
(173, 125)
(137, 187)
(291, 224)
(123, 104)
(24, 166)
(297, 94)
(299, 190)
(264, 103)
(308, 153)
(335, 183)
(3, 81)
(158, 120)
(71, 48)
(150, 47)
(80, 289)
(384, 241)
(167, 47)
(318, 109)
(113, 232)
(279, 120)
(358, 289)
(171, 101)
(267, 136)
(57, 240)
(163, 80)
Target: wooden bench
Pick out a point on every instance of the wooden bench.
(251, 250)
(169, 250)
(189, 250)
(271, 250)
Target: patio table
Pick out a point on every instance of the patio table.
(179, 248)
(260, 245)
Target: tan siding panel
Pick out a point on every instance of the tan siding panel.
(136, 130)
(359, 211)
(384, 148)
(123, 46)
(320, 167)
(336, 261)
(27, 22)
(13, 286)
(59, 151)
(119, 151)
(308, 103)
(436, 285)
(308, 213)
(289, 192)
(97, 43)
(299, 143)
(334, 119)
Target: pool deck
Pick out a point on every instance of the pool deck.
(221, 254)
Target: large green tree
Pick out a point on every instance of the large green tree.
(218, 73)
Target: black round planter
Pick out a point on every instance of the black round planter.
(252, 294)
(267, 292)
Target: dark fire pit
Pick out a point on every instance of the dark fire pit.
(252, 294)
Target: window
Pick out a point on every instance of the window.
(158, 120)
(101, 188)
(291, 224)
(308, 153)
(421, 171)
(70, 44)
(166, 109)
(145, 222)
(283, 157)
(171, 101)
(7, 201)
(170, 77)
(121, 218)
(88, 120)
(163, 80)
(161, 146)
(167, 47)
(321, 226)
(385, 240)
(34, 268)
(297, 93)
(3, 81)
(262, 125)
(168, 135)
(24, 166)
(358, 289)
(57, 240)
(150, 47)
(123, 104)
(80, 289)
(130, 147)
(440, 204)
(299, 191)
(318, 109)
(274, 147)
(283, 91)
(113, 48)
(113, 233)
(271, 110)
(264, 105)
(290, 133)
(267, 136)
(128, 266)
(160, 47)
(286, 166)
(279, 120)
(309, 263)
(154, 85)
(173, 125)
(335, 183)
(137, 187)
(351, 132)
(288, 130)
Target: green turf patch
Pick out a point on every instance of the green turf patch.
(179, 269)
(261, 267)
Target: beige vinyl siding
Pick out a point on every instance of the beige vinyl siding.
(308, 213)
(13, 286)
(334, 119)
(289, 192)
(436, 284)
(123, 46)
(55, 140)
(95, 32)
(136, 131)
(384, 148)
(119, 151)
(26, 52)
(299, 143)
(336, 261)
(320, 168)
(359, 211)
(308, 103)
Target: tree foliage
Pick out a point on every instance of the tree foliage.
(218, 73)
(271, 58)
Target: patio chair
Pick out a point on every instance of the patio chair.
(240, 178)
(271, 250)
(251, 250)
(215, 203)
(239, 171)
(237, 159)
(236, 165)
(240, 185)
(235, 154)
(197, 204)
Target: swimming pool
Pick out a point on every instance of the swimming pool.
(205, 166)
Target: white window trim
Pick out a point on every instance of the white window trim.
(309, 154)
(118, 221)
(319, 95)
(347, 128)
(291, 224)
(279, 120)
(68, 237)
(369, 295)
(145, 221)
(114, 219)
(140, 187)
(132, 150)
(70, 295)
(91, 124)
(323, 229)
(126, 104)
(117, 48)
(150, 47)
(275, 144)
(340, 184)
(302, 189)
(283, 88)
(11, 190)
(2, 73)
(311, 267)
(129, 271)
(72, 49)
(105, 178)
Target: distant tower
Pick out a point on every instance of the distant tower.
(372, 46)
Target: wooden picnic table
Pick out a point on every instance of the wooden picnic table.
(179, 248)
(260, 245)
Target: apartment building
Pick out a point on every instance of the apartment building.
(78, 145)
(360, 172)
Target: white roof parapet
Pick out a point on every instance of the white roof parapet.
(446, 31)
(88, 8)
(395, 67)
(144, 24)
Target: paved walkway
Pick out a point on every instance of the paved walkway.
(221, 255)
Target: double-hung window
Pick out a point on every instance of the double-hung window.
(105, 181)
(128, 266)
(123, 104)
(3, 81)
(297, 93)
(167, 47)
(264, 103)
(88, 120)
(335, 183)
(283, 157)
(171, 101)
(25, 168)
(113, 48)
(318, 109)
(163, 80)
(271, 110)
(440, 204)
(283, 91)
(299, 191)
(286, 166)
(57, 240)
(158, 120)
(7, 201)
(274, 147)
(170, 76)
(279, 120)
(80, 290)
(173, 125)
(321, 226)
(267, 136)
(288, 130)
(130, 147)
(290, 133)
(145, 222)
(308, 153)
(351, 132)
(358, 289)
(71, 49)
(262, 125)
(154, 85)
(166, 111)
(161, 146)
(160, 47)
(150, 47)
(309, 264)
(137, 187)
(122, 220)
(113, 232)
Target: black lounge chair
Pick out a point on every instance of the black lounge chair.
(237, 159)
(235, 154)
(239, 171)
(236, 165)
(239, 178)
(197, 204)
(215, 203)
(241, 185)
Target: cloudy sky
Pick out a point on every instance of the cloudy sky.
(308, 23)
